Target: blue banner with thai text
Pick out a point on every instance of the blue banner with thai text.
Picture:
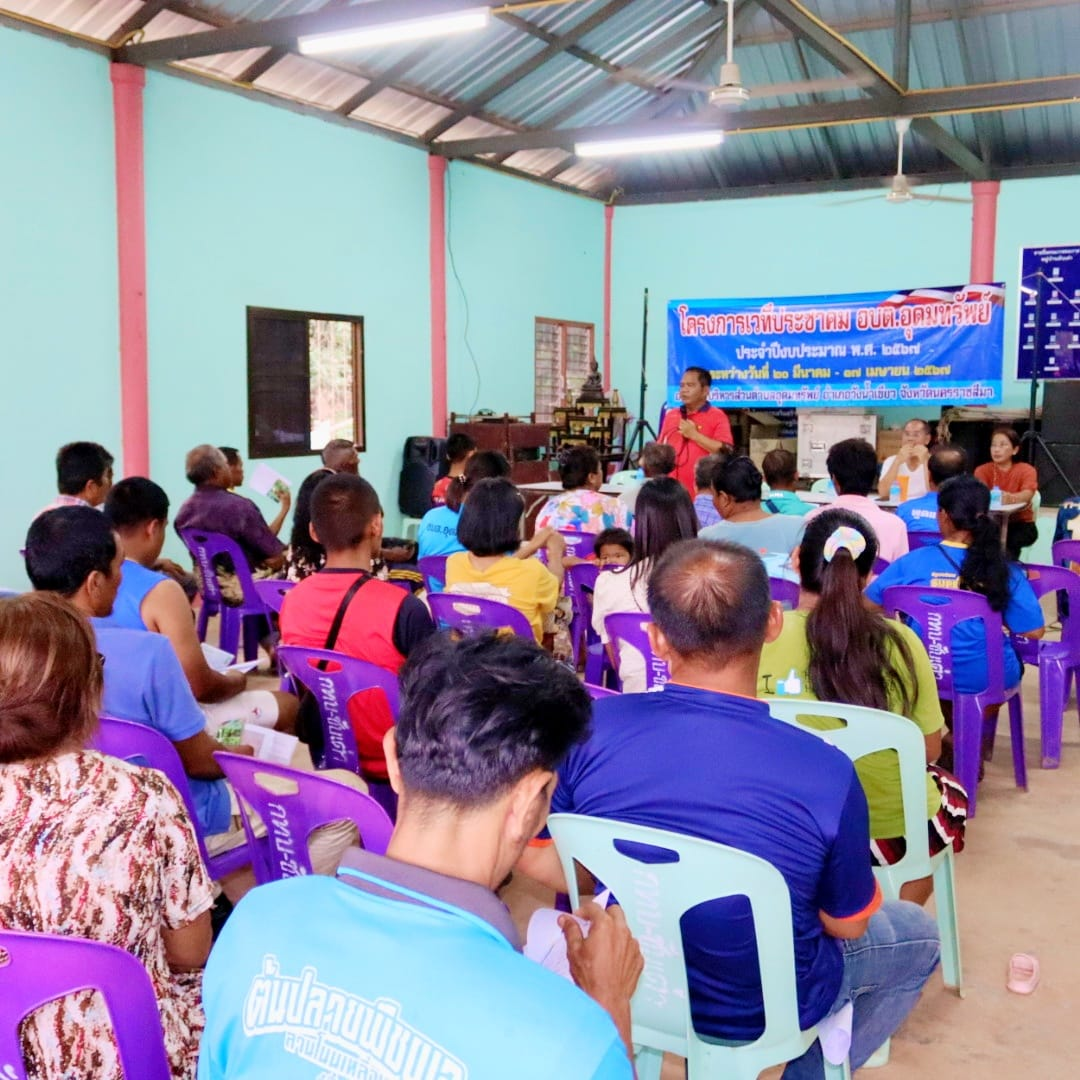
(937, 346)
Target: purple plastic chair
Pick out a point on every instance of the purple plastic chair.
(38, 968)
(598, 692)
(271, 591)
(334, 679)
(787, 592)
(880, 565)
(918, 540)
(475, 615)
(433, 570)
(1066, 552)
(631, 629)
(1057, 661)
(142, 745)
(578, 544)
(934, 615)
(578, 585)
(204, 547)
(291, 817)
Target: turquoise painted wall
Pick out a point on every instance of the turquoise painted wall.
(250, 204)
(58, 314)
(520, 251)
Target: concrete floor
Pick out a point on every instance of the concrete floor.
(1015, 883)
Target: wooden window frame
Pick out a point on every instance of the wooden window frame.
(561, 325)
(259, 448)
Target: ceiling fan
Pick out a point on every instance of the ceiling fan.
(900, 185)
(730, 92)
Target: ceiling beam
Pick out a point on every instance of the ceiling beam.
(137, 20)
(902, 45)
(283, 32)
(824, 185)
(713, 52)
(825, 135)
(982, 135)
(556, 44)
(1055, 90)
(381, 81)
(839, 52)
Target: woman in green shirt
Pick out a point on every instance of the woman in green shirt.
(834, 648)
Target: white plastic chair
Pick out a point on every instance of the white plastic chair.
(654, 897)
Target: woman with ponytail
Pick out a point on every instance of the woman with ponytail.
(834, 648)
(970, 557)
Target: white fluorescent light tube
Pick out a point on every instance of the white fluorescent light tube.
(650, 144)
(456, 22)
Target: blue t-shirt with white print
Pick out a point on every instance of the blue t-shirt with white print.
(313, 979)
(920, 515)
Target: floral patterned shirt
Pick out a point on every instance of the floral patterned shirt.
(582, 510)
(95, 847)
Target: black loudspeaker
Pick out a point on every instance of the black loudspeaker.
(419, 470)
(1061, 412)
(1053, 489)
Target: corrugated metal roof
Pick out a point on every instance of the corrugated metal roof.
(613, 62)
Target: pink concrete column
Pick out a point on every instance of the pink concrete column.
(609, 217)
(437, 257)
(983, 229)
(127, 82)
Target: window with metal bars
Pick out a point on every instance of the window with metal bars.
(562, 357)
(305, 381)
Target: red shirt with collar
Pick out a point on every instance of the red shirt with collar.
(711, 422)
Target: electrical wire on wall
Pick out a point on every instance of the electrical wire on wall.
(457, 278)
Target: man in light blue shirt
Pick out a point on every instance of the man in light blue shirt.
(737, 486)
(945, 462)
(407, 965)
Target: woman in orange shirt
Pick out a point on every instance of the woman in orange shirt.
(1018, 483)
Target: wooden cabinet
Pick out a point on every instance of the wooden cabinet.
(523, 442)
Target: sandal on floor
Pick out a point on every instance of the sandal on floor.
(1023, 973)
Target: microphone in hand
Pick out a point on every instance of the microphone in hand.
(682, 411)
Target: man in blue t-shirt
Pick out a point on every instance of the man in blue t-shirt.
(73, 551)
(407, 965)
(705, 758)
(945, 462)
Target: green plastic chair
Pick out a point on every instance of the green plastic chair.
(704, 871)
(867, 731)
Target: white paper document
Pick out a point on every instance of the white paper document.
(266, 481)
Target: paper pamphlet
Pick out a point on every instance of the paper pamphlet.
(218, 659)
(544, 940)
(267, 481)
(269, 745)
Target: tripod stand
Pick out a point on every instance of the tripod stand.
(1032, 436)
(641, 425)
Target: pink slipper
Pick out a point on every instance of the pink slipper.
(1023, 973)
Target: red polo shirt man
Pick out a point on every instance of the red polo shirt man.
(696, 428)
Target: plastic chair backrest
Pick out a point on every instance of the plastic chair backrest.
(918, 539)
(38, 968)
(623, 478)
(142, 745)
(1066, 552)
(867, 731)
(271, 591)
(787, 592)
(880, 566)
(334, 678)
(631, 629)
(934, 615)
(598, 692)
(1058, 579)
(204, 547)
(578, 544)
(654, 896)
(433, 570)
(291, 816)
(476, 615)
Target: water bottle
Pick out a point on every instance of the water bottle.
(894, 491)
(995, 498)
